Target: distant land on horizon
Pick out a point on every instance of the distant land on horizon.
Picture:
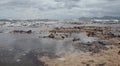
(101, 18)
(81, 18)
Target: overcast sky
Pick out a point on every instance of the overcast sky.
(57, 9)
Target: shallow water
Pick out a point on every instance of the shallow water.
(17, 46)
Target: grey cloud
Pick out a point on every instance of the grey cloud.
(60, 8)
(69, 3)
(18, 3)
(67, 0)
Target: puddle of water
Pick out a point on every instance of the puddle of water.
(16, 46)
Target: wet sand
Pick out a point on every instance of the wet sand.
(104, 58)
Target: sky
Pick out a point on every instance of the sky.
(58, 9)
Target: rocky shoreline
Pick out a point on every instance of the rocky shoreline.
(59, 44)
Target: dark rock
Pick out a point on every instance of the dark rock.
(103, 64)
(89, 44)
(93, 47)
(62, 37)
(91, 34)
(105, 42)
(77, 27)
(29, 31)
(76, 39)
(87, 64)
(51, 36)
(119, 53)
(113, 33)
(21, 31)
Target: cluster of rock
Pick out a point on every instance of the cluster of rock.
(93, 47)
(22, 31)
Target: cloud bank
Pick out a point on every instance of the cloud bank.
(58, 9)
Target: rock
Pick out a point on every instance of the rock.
(87, 64)
(21, 31)
(90, 34)
(77, 27)
(62, 37)
(114, 34)
(105, 42)
(94, 49)
(119, 53)
(29, 31)
(103, 64)
(51, 36)
(89, 44)
(76, 39)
